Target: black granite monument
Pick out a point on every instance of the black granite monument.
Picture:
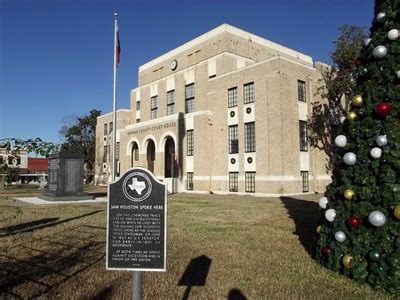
(65, 178)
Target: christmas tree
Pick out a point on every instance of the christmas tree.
(359, 234)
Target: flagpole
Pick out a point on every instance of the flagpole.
(114, 133)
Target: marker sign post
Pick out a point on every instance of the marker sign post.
(136, 223)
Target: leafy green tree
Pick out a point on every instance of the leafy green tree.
(359, 234)
(80, 137)
(336, 86)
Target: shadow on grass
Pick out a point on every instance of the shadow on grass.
(35, 266)
(195, 274)
(236, 294)
(40, 224)
(306, 217)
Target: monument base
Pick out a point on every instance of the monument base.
(66, 198)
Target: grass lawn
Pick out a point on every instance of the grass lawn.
(255, 247)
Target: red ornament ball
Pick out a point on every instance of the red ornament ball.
(354, 221)
(382, 109)
(326, 250)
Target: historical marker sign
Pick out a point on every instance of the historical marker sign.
(136, 222)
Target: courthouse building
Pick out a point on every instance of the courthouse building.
(224, 113)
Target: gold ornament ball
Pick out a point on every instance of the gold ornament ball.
(349, 194)
(346, 260)
(318, 229)
(357, 101)
(396, 212)
(351, 116)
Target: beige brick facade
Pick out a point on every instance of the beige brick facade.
(265, 157)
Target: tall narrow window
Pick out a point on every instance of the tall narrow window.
(111, 127)
(248, 93)
(189, 181)
(1, 160)
(189, 98)
(105, 154)
(153, 107)
(170, 102)
(10, 160)
(18, 160)
(303, 135)
(138, 105)
(232, 97)
(301, 89)
(233, 181)
(105, 129)
(135, 153)
(250, 182)
(250, 137)
(117, 152)
(304, 178)
(190, 142)
(233, 139)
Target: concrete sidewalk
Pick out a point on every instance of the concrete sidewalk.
(36, 200)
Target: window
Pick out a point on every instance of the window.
(137, 120)
(111, 127)
(233, 181)
(105, 154)
(248, 93)
(250, 182)
(1, 160)
(301, 88)
(18, 160)
(170, 102)
(189, 142)
(233, 139)
(304, 177)
(105, 129)
(138, 105)
(117, 152)
(232, 97)
(250, 137)
(153, 107)
(190, 181)
(10, 160)
(303, 135)
(189, 98)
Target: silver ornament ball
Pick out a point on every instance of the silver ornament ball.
(380, 16)
(323, 202)
(340, 236)
(393, 34)
(381, 140)
(379, 51)
(340, 141)
(350, 158)
(330, 214)
(398, 74)
(343, 118)
(377, 218)
(376, 152)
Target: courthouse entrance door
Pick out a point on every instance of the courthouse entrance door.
(169, 158)
(151, 155)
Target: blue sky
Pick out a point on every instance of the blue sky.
(56, 57)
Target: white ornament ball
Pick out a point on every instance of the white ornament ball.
(343, 118)
(349, 158)
(323, 202)
(379, 51)
(380, 16)
(393, 34)
(381, 140)
(340, 141)
(376, 152)
(367, 41)
(377, 218)
(330, 214)
(340, 236)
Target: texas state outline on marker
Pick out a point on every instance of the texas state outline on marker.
(137, 185)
